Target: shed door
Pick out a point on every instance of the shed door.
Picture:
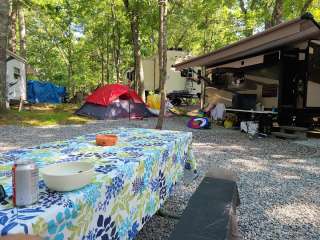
(14, 81)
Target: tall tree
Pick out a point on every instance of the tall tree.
(116, 41)
(162, 59)
(107, 62)
(22, 30)
(4, 19)
(12, 35)
(133, 11)
(277, 14)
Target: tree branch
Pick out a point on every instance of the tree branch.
(243, 8)
(180, 39)
(305, 7)
(174, 5)
(126, 4)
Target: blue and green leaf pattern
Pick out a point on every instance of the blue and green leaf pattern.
(133, 179)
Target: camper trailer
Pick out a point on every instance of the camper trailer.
(278, 69)
(287, 79)
(175, 82)
(16, 77)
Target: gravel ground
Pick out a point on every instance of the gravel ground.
(279, 182)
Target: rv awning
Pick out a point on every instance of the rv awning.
(294, 31)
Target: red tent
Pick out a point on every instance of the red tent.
(114, 101)
(108, 93)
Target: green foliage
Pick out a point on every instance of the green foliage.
(74, 43)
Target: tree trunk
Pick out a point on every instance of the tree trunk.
(22, 35)
(69, 43)
(107, 62)
(118, 50)
(116, 42)
(205, 41)
(139, 77)
(70, 66)
(12, 34)
(180, 39)
(305, 7)
(4, 20)
(247, 30)
(162, 59)
(277, 13)
(102, 67)
(267, 24)
(22, 31)
(71, 84)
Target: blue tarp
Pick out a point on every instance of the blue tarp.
(44, 92)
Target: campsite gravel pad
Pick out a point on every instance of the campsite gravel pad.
(279, 180)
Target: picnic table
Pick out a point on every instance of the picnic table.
(264, 120)
(251, 111)
(133, 179)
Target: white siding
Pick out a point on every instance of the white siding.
(174, 81)
(16, 85)
(149, 76)
(220, 96)
(313, 94)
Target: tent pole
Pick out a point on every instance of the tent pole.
(129, 109)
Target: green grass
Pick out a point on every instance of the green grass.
(43, 115)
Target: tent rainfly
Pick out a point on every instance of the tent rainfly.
(114, 101)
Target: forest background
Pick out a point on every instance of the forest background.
(83, 44)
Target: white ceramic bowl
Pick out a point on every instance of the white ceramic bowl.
(67, 176)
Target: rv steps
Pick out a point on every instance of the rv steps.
(292, 132)
(286, 135)
(293, 128)
(313, 134)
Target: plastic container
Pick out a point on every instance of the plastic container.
(67, 176)
(154, 101)
(106, 139)
(228, 124)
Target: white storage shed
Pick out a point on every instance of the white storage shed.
(16, 77)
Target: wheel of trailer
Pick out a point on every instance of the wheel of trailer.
(176, 101)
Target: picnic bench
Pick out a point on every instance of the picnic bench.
(210, 213)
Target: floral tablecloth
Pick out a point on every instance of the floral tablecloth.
(133, 179)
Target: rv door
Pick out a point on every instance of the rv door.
(313, 88)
